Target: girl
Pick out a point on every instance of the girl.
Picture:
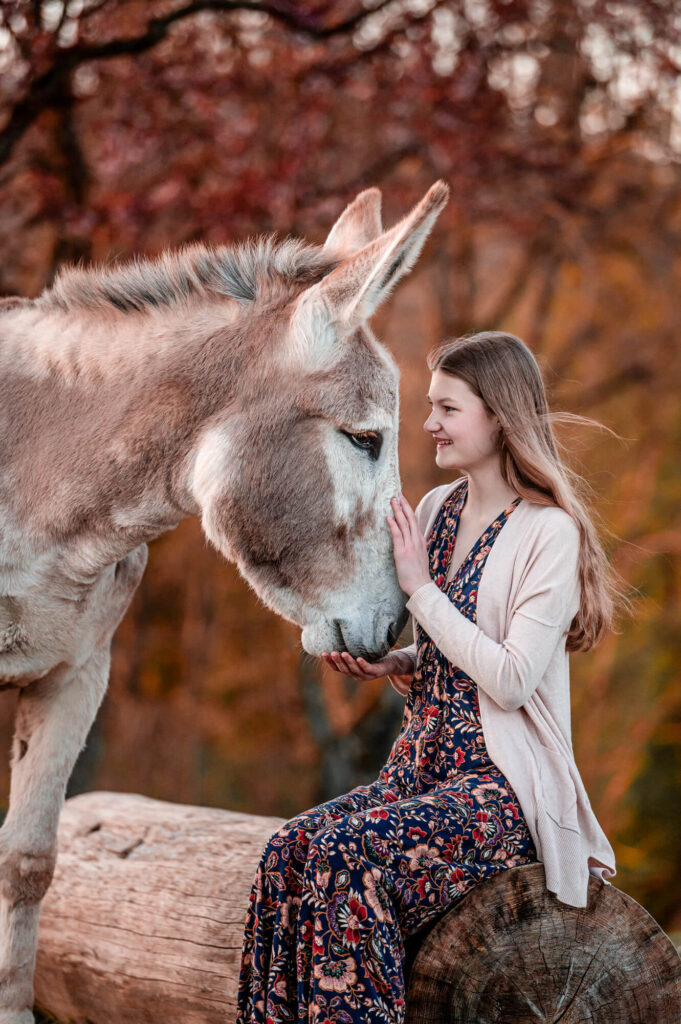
(481, 776)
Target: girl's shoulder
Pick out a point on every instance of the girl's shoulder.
(546, 522)
(550, 520)
(544, 536)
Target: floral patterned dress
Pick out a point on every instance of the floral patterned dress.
(339, 886)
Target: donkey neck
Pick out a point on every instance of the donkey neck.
(101, 420)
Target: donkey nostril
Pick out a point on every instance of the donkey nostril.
(395, 628)
(339, 641)
(345, 641)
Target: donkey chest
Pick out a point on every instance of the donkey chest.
(42, 615)
(13, 637)
(33, 638)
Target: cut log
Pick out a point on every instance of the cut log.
(144, 919)
(511, 952)
(144, 922)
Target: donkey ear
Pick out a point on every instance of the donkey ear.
(358, 225)
(355, 289)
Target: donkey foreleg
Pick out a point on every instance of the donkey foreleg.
(54, 716)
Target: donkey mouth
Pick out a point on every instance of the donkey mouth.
(360, 649)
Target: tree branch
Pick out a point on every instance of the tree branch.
(51, 90)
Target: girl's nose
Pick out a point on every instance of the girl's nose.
(431, 424)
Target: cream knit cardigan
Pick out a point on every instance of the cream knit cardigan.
(528, 595)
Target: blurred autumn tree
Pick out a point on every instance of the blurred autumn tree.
(130, 125)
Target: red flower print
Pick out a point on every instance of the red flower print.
(452, 850)
(423, 887)
(482, 818)
(457, 880)
(357, 913)
(416, 833)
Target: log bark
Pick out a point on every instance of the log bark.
(511, 951)
(144, 921)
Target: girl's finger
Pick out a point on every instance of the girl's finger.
(415, 530)
(395, 532)
(338, 665)
(410, 516)
(355, 670)
(374, 671)
(338, 662)
(407, 510)
(400, 517)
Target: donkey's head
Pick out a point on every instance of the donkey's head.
(307, 457)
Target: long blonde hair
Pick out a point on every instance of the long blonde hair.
(501, 370)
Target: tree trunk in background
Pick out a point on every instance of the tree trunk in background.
(144, 923)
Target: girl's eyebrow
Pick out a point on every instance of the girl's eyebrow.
(440, 399)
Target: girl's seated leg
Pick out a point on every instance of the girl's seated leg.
(385, 872)
(268, 963)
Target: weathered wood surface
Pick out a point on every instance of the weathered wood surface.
(512, 953)
(143, 923)
(144, 919)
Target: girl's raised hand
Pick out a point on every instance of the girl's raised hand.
(409, 547)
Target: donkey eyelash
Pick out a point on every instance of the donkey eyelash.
(368, 441)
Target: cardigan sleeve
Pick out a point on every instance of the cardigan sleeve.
(510, 671)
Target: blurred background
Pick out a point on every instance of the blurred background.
(127, 126)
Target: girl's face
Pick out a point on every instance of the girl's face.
(463, 429)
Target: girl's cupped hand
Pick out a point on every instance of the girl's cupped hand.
(397, 666)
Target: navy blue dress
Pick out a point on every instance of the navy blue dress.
(339, 886)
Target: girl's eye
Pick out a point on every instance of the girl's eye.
(450, 408)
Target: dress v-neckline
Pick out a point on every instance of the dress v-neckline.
(461, 501)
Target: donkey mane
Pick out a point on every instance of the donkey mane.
(258, 268)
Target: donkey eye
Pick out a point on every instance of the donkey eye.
(367, 441)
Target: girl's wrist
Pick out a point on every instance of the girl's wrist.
(424, 583)
(405, 663)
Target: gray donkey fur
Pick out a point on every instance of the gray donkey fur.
(239, 384)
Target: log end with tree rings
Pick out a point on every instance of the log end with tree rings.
(511, 952)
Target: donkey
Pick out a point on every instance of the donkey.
(241, 384)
